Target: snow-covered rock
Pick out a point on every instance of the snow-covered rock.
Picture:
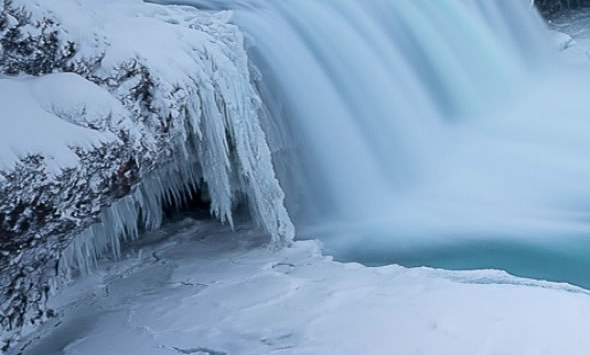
(112, 109)
(32, 109)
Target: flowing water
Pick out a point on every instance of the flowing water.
(422, 132)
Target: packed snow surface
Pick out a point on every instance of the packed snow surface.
(198, 288)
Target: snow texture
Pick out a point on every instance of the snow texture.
(115, 109)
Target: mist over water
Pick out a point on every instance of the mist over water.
(420, 132)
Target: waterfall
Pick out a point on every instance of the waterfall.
(417, 127)
(371, 90)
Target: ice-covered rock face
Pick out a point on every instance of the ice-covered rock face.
(152, 101)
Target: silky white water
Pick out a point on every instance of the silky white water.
(425, 132)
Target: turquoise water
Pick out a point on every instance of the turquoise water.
(549, 262)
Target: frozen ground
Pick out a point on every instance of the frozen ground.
(211, 291)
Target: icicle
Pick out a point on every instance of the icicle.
(120, 221)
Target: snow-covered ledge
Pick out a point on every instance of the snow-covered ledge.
(110, 107)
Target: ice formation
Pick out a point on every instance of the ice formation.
(121, 220)
(153, 101)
